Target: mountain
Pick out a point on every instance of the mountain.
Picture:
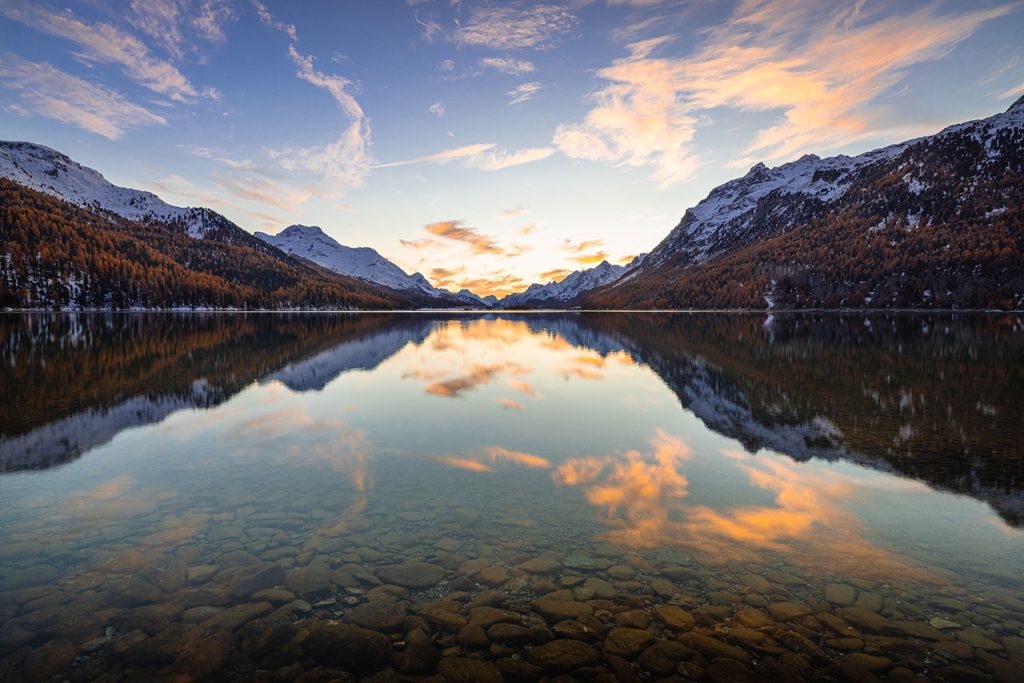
(468, 297)
(55, 174)
(71, 239)
(121, 372)
(310, 242)
(567, 290)
(934, 222)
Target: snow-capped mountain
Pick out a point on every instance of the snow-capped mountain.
(53, 173)
(310, 242)
(572, 286)
(893, 227)
(472, 299)
(770, 200)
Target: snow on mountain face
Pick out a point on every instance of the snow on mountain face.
(472, 299)
(47, 170)
(767, 201)
(575, 284)
(310, 242)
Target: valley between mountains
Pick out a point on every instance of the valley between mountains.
(931, 223)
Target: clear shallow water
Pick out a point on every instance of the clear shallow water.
(704, 496)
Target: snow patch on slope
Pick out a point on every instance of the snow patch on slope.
(48, 171)
(310, 242)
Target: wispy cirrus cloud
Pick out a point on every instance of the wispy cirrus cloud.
(513, 26)
(485, 156)
(523, 92)
(172, 23)
(103, 43)
(437, 108)
(507, 65)
(345, 161)
(822, 65)
(44, 90)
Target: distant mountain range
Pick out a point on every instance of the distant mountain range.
(572, 287)
(934, 222)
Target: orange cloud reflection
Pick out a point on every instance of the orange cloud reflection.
(644, 499)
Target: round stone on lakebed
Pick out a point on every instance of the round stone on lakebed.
(411, 574)
(564, 655)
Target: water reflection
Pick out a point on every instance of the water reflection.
(937, 399)
(288, 464)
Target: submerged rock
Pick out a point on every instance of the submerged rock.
(564, 655)
(411, 574)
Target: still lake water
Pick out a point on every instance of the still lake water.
(599, 496)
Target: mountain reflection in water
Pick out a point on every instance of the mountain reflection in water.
(727, 497)
(935, 398)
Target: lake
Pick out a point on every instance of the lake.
(508, 496)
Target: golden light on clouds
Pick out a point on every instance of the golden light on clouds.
(823, 65)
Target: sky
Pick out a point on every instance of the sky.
(487, 145)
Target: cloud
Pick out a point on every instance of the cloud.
(445, 275)
(496, 453)
(1013, 92)
(820, 65)
(507, 65)
(589, 259)
(556, 275)
(523, 92)
(345, 161)
(509, 404)
(168, 21)
(105, 44)
(478, 375)
(432, 30)
(212, 16)
(462, 463)
(497, 284)
(266, 191)
(577, 247)
(270, 20)
(521, 386)
(484, 156)
(437, 109)
(504, 27)
(159, 19)
(49, 92)
(454, 230)
(176, 186)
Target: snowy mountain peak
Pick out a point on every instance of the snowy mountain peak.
(739, 210)
(47, 170)
(299, 230)
(312, 243)
(572, 286)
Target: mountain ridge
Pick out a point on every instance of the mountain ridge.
(933, 222)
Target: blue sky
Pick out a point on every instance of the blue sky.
(487, 144)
